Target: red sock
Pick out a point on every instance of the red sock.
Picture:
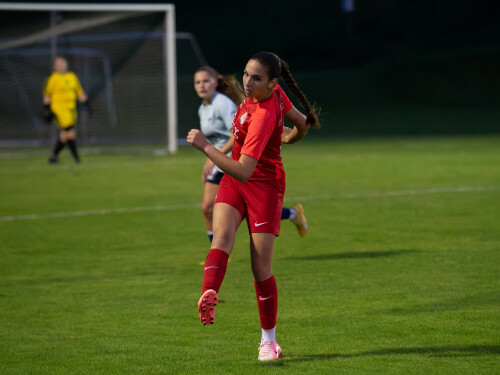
(267, 300)
(214, 270)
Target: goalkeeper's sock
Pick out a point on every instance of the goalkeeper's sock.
(56, 150)
(74, 152)
(288, 213)
(58, 147)
(214, 270)
(267, 301)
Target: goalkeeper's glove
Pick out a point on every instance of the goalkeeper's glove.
(48, 115)
(86, 105)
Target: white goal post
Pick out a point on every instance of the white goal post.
(170, 68)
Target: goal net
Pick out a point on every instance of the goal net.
(126, 59)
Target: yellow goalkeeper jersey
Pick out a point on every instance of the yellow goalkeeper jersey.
(63, 89)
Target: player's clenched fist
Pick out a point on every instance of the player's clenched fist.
(197, 139)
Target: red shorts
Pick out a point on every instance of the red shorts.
(260, 202)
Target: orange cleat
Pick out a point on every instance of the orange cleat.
(206, 306)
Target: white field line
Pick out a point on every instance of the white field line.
(104, 211)
(399, 193)
(394, 193)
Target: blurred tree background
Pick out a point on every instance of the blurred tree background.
(382, 67)
(388, 67)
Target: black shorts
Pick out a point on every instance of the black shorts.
(69, 128)
(215, 176)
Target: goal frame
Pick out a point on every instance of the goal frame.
(169, 49)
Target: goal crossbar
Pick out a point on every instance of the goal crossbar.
(82, 7)
(169, 48)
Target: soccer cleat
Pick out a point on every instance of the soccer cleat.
(269, 351)
(206, 306)
(300, 219)
(53, 159)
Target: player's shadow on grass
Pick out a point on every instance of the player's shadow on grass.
(433, 351)
(482, 299)
(353, 255)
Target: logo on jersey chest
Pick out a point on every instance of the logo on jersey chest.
(243, 118)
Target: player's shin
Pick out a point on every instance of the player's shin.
(214, 269)
(267, 301)
(72, 147)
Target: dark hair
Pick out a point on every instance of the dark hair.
(227, 85)
(277, 68)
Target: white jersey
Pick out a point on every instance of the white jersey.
(216, 120)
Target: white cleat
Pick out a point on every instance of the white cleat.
(269, 351)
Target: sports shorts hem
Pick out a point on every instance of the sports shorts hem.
(215, 176)
(258, 201)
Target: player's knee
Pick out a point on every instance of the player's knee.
(207, 207)
(223, 239)
(261, 272)
(262, 267)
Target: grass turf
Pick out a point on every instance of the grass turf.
(398, 274)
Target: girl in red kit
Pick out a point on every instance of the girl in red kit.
(253, 186)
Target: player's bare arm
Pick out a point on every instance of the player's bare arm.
(82, 98)
(241, 169)
(207, 169)
(228, 146)
(300, 127)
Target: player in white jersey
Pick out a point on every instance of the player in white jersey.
(221, 95)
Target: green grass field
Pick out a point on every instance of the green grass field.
(100, 264)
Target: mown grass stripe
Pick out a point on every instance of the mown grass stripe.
(394, 193)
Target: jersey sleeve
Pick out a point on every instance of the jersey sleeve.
(287, 104)
(78, 86)
(260, 130)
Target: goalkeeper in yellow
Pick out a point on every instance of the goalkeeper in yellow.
(60, 94)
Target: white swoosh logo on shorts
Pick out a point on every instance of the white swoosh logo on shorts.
(259, 224)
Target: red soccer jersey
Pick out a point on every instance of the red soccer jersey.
(257, 128)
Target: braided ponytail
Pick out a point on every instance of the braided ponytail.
(279, 68)
(312, 112)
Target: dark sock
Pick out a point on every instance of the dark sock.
(72, 147)
(57, 148)
(285, 213)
